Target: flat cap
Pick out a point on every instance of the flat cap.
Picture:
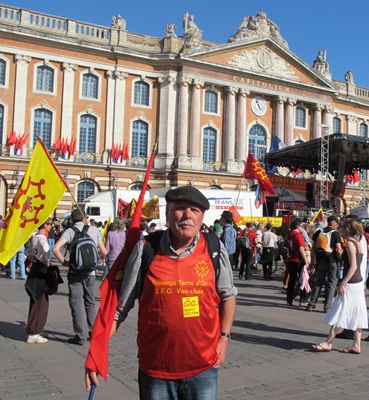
(187, 193)
(227, 215)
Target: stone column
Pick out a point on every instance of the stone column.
(328, 117)
(317, 132)
(195, 132)
(241, 125)
(289, 123)
(20, 92)
(279, 117)
(67, 100)
(119, 102)
(230, 137)
(167, 119)
(183, 115)
(352, 125)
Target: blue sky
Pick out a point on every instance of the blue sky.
(337, 26)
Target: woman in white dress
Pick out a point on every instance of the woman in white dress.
(348, 310)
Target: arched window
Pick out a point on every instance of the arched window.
(45, 79)
(90, 86)
(364, 130)
(2, 72)
(257, 141)
(209, 145)
(140, 132)
(211, 101)
(85, 189)
(337, 125)
(141, 93)
(300, 117)
(1, 123)
(42, 126)
(87, 134)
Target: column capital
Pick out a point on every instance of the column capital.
(318, 107)
(22, 59)
(68, 67)
(198, 83)
(281, 99)
(351, 118)
(291, 101)
(329, 108)
(243, 92)
(120, 75)
(232, 90)
(169, 78)
(184, 80)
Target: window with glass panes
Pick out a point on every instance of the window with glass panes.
(89, 86)
(141, 93)
(2, 72)
(257, 141)
(85, 189)
(45, 79)
(336, 125)
(1, 123)
(209, 145)
(87, 134)
(211, 101)
(139, 139)
(300, 117)
(42, 126)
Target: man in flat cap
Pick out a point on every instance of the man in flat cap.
(229, 235)
(187, 303)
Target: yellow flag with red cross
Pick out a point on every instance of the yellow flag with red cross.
(39, 193)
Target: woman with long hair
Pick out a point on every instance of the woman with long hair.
(114, 243)
(348, 310)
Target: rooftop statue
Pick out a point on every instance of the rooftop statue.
(192, 34)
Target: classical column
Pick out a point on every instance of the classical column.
(289, 123)
(195, 134)
(241, 125)
(352, 125)
(183, 83)
(279, 117)
(230, 137)
(67, 100)
(328, 116)
(20, 92)
(167, 119)
(317, 132)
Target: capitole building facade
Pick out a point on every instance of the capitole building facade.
(107, 94)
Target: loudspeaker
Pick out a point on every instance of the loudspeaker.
(338, 182)
(310, 191)
(325, 204)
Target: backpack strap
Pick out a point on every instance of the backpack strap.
(84, 230)
(213, 245)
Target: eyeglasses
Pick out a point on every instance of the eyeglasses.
(48, 223)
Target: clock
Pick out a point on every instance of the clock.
(258, 106)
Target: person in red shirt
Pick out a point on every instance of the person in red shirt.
(248, 254)
(297, 259)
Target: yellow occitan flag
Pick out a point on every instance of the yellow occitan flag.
(150, 209)
(38, 195)
(105, 231)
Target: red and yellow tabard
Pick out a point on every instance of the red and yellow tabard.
(178, 319)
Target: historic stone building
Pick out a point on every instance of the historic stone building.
(106, 94)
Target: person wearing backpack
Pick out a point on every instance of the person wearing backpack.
(83, 243)
(186, 304)
(269, 240)
(325, 257)
(247, 244)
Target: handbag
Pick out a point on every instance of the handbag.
(53, 279)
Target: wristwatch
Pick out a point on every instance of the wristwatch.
(227, 335)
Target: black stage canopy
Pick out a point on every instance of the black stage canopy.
(345, 151)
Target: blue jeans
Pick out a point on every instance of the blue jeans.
(19, 256)
(199, 387)
(51, 245)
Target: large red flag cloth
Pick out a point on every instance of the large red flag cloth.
(253, 170)
(97, 358)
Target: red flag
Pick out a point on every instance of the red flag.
(12, 139)
(72, 147)
(236, 216)
(356, 176)
(253, 170)
(112, 154)
(97, 358)
(57, 144)
(125, 152)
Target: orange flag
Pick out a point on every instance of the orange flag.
(97, 358)
(253, 170)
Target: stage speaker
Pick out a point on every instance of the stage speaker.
(338, 182)
(325, 204)
(310, 191)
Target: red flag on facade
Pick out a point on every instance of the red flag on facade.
(57, 145)
(72, 147)
(97, 358)
(253, 170)
(12, 139)
(125, 152)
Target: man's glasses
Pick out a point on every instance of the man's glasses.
(48, 223)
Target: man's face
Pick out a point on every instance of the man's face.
(335, 225)
(184, 219)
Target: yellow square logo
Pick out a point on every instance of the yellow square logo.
(190, 307)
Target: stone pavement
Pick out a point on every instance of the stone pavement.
(269, 356)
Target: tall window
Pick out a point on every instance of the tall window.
(45, 79)
(2, 72)
(257, 141)
(300, 118)
(1, 123)
(364, 130)
(209, 145)
(42, 126)
(141, 93)
(139, 139)
(337, 125)
(87, 134)
(211, 101)
(89, 86)
(85, 189)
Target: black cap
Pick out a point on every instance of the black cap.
(227, 215)
(188, 193)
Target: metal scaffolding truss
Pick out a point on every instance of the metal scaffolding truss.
(324, 163)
